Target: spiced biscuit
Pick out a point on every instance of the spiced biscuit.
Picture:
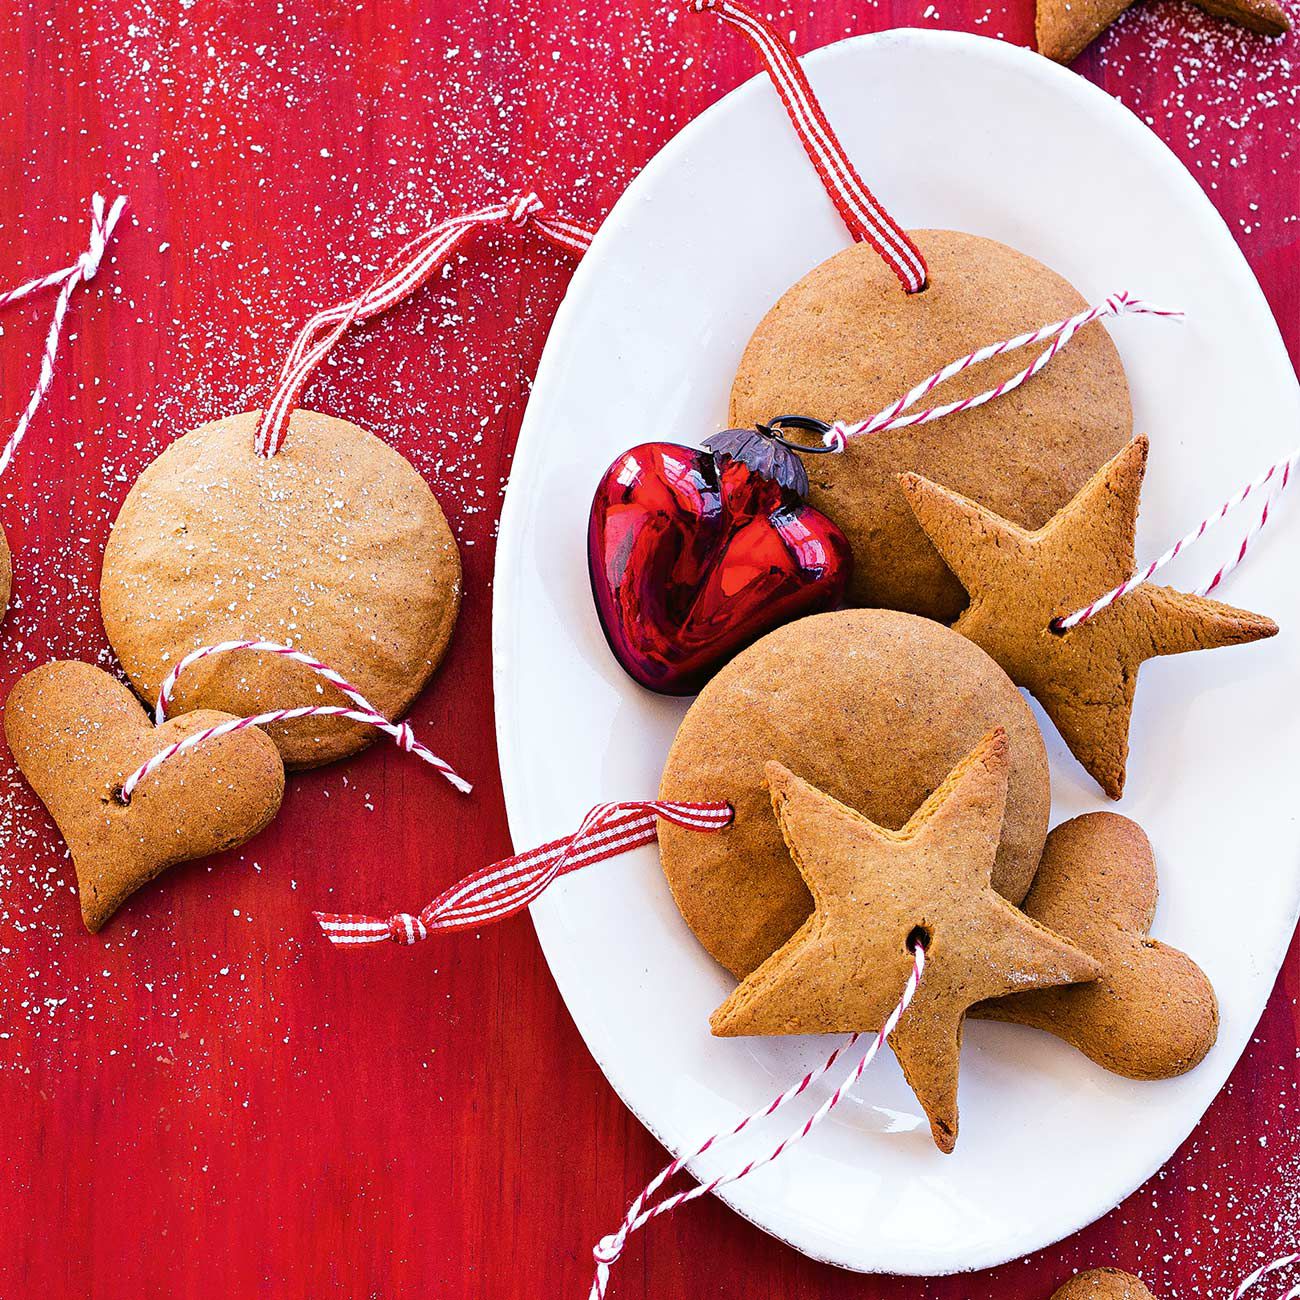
(76, 734)
(334, 545)
(1152, 1014)
(876, 894)
(846, 341)
(6, 573)
(1020, 582)
(873, 707)
(1065, 28)
(1103, 1284)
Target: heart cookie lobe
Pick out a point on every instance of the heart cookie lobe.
(1152, 1014)
(334, 545)
(1103, 1284)
(76, 733)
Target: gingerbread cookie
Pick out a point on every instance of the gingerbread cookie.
(1103, 1284)
(878, 891)
(846, 341)
(76, 734)
(6, 573)
(1020, 582)
(1152, 1014)
(871, 706)
(1065, 28)
(334, 545)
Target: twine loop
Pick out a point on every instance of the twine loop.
(359, 709)
(608, 1249)
(103, 220)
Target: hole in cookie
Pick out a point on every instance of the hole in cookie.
(920, 937)
(119, 796)
(1057, 628)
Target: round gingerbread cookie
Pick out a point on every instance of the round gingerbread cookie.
(334, 545)
(845, 341)
(873, 707)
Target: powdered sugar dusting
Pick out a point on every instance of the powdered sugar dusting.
(273, 155)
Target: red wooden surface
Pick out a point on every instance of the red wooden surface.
(206, 1100)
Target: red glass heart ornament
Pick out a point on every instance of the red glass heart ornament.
(696, 553)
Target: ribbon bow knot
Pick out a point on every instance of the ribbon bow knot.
(405, 928)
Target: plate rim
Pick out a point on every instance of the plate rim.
(1144, 140)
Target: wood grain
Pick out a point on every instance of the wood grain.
(205, 1100)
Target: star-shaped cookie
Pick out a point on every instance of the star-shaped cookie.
(876, 892)
(1020, 581)
(1065, 28)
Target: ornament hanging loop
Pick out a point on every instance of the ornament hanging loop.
(804, 423)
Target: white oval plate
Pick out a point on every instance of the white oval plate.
(953, 131)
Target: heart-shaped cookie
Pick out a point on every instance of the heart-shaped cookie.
(1152, 1014)
(335, 545)
(693, 555)
(76, 734)
(1103, 1284)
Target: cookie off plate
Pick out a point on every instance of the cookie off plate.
(961, 132)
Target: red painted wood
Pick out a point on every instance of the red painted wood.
(207, 1101)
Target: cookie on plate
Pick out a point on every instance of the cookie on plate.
(877, 894)
(846, 341)
(1152, 1013)
(871, 706)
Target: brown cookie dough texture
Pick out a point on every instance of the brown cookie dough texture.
(876, 891)
(76, 734)
(873, 707)
(1103, 1284)
(334, 545)
(845, 341)
(1065, 28)
(1153, 1013)
(6, 573)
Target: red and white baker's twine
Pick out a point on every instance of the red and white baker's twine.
(409, 268)
(857, 206)
(1274, 1266)
(82, 271)
(501, 889)
(899, 414)
(361, 711)
(1278, 473)
(641, 1211)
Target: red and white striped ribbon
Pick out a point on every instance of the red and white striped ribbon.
(360, 711)
(82, 271)
(501, 889)
(859, 208)
(641, 1211)
(899, 414)
(409, 268)
(1279, 472)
